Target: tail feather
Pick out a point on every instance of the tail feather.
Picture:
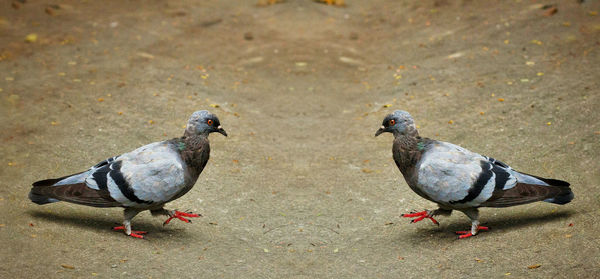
(527, 193)
(74, 193)
(564, 197)
(549, 181)
(39, 198)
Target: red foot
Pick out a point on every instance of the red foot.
(179, 215)
(465, 234)
(136, 234)
(421, 215)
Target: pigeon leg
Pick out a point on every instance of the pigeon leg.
(129, 213)
(177, 214)
(427, 214)
(136, 234)
(473, 214)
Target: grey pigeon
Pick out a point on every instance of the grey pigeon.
(143, 179)
(458, 179)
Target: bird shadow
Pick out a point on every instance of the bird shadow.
(100, 224)
(496, 224)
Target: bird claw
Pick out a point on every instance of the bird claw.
(420, 216)
(136, 234)
(180, 215)
(465, 234)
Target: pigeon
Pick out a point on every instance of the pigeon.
(458, 179)
(143, 179)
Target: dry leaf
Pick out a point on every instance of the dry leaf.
(31, 38)
(534, 266)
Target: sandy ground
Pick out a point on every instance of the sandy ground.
(301, 188)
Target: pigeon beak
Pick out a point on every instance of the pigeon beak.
(221, 130)
(381, 130)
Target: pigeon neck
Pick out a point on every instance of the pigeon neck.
(194, 142)
(407, 150)
(188, 134)
(407, 142)
(194, 151)
(408, 133)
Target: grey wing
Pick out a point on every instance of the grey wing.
(152, 174)
(459, 178)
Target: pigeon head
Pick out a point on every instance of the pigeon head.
(203, 122)
(398, 123)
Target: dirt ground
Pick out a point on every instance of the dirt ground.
(301, 188)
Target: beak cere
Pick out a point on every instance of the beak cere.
(221, 130)
(381, 130)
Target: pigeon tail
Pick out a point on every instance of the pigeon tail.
(74, 193)
(563, 198)
(39, 198)
(564, 195)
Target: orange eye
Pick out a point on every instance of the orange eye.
(392, 122)
(209, 122)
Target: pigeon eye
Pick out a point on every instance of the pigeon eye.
(209, 122)
(392, 122)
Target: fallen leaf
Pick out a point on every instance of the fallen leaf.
(31, 38)
(450, 122)
(551, 11)
(67, 266)
(534, 266)
(500, 99)
(539, 43)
